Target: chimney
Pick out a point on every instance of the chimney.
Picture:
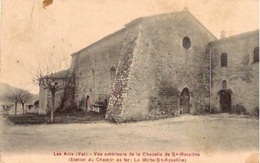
(185, 9)
(223, 34)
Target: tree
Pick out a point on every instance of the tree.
(48, 75)
(55, 82)
(25, 97)
(15, 97)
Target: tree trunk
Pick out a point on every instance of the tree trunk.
(23, 107)
(15, 108)
(53, 106)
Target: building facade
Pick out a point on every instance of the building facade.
(235, 73)
(166, 65)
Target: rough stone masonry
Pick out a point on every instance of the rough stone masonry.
(167, 65)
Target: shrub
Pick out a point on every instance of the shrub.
(207, 108)
(255, 111)
(202, 106)
(238, 109)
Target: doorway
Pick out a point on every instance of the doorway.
(225, 101)
(185, 100)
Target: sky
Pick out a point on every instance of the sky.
(33, 36)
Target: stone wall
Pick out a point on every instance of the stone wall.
(92, 66)
(121, 87)
(45, 101)
(241, 73)
(63, 97)
(175, 67)
(155, 59)
(43, 96)
(161, 68)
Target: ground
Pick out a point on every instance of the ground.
(212, 136)
(59, 118)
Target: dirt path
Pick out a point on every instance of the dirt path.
(206, 134)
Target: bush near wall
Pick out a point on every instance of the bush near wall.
(202, 106)
(238, 109)
(255, 112)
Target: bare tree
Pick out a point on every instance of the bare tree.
(50, 77)
(25, 97)
(15, 97)
(55, 82)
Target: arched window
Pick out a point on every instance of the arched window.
(93, 77)
(112, 74)
(185, 97)
(224, 59)
(224, 84)
(87, 101)
(256, 54)
(186, 43)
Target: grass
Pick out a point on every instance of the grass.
(81, 117)
(62, 118)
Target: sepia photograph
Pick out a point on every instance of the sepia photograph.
(129, 81)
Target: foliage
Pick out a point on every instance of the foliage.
(67, 99)
(238, 109)
(255, 112)
(7, 107)
(62, 118)
(54, 82)
(202, 106)
(25, 97)
(18, 96)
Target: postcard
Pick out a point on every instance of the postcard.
(129, 81)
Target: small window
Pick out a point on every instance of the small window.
(224, 84)
(224, 59)
(93, 77)
(186, 43)
(112, 74)
(93, 72)
(256, 54)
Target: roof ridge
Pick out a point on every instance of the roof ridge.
(100, 40)
(237, 35)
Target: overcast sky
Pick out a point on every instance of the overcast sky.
(31, 35)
